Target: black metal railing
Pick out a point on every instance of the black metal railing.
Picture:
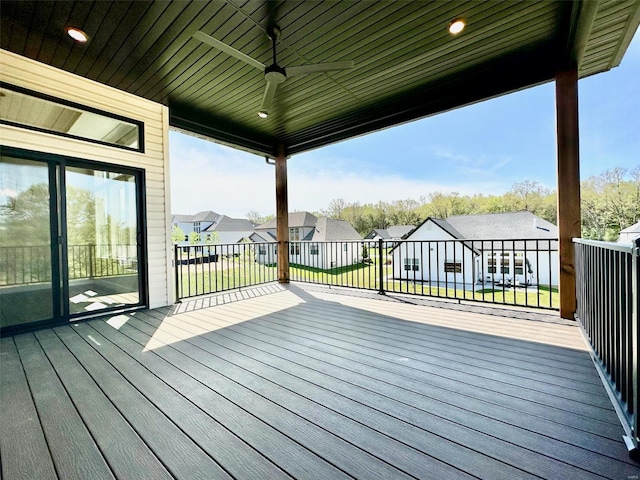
(24, 265)
(511, 272)
(608, 296)
(210, 268)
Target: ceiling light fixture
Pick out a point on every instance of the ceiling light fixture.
(456, 26)
(263, 114)
(77, 34)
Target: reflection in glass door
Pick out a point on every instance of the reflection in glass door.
(102, 232)
(26, 288)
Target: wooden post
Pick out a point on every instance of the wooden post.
(568, 184)
(282, 216)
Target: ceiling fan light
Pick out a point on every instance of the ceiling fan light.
(456, 26)
(263, 114)
(77, 34)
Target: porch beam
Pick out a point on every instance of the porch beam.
(282, 216)
(568, 164)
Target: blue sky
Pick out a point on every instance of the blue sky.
(482, 148)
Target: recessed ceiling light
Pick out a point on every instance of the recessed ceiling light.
(77, 34)
(263, 114)
(456, 26)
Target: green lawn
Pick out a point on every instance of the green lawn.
(240, 272)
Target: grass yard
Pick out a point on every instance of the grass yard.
(238, 272)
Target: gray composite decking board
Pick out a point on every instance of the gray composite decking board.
(231, 452)
(344, 455)
(124, 450)
(496, 444)
(24, 451)
(275, 445)
(519, 373)
(455, 386)
(334, 375)
(181, 456)
(383, 325)
(73, 450)
(503, 341)
(546, 394)
(280, 385)
(402, 456)
(490, 364)
(378, 346)
(384, 379)
(506, 351)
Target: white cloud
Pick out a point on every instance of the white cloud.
(207, 176)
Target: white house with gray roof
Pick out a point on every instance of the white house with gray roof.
(322, 243)
(512, 248)
(214, 228)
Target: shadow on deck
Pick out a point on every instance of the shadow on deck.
(308, 382)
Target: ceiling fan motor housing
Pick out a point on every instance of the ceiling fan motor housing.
(275, 74)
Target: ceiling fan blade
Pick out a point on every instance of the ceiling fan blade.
(269, 93)
(223, 47)
(318, 68)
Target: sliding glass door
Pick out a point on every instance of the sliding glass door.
(71, 239)
(102, 245)
(26, 288)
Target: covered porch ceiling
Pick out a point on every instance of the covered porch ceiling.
(406, 63)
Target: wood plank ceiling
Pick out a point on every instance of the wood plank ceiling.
(407, 65)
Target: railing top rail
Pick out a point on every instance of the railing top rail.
(619, 247)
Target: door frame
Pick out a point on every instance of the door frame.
(56, 165)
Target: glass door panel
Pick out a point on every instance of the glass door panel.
(102, 233)
(26, 289)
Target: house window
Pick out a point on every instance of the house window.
(295, 249)
(412, 264)
(519, 264)
(262, 250)
(345, 247)
(68, 119)
(313, 249)
(294, 234)
(452, 267)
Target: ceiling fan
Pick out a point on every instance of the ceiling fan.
(274, 74)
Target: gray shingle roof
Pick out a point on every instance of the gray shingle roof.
(205, 216)
(399, 231)
(513, 225)
(228, 224)
(330, 230)
(296, 219)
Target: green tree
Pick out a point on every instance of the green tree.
(194, 238)
(177, 234)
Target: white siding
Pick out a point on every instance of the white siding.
(38, 77)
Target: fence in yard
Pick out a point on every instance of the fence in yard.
(210, 268)
(608, 294)
(514, 272)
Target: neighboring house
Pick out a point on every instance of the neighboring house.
(507, 248)
(213, 227)
(323, 243)
(396, 232)
(629, 234)
(194, 223)
(228, 230)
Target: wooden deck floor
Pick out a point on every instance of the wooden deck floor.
(301, 382)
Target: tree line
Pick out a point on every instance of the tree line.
(610, 202)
